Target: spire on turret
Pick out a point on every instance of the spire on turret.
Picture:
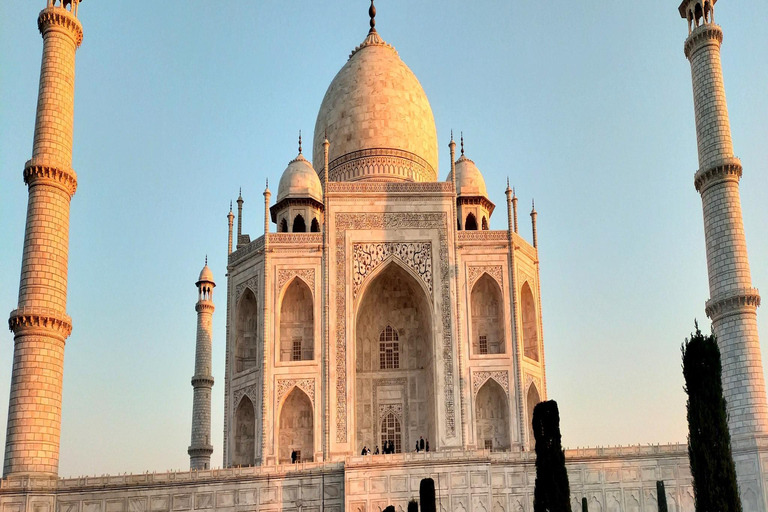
(299, 141)
(230, 221)
(462, 143)
(372, 14)
(533, 223)
(239, 215)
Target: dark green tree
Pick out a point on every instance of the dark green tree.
(709, 442)
(427, 495)
(413, 506)
(390, 508)
(584, 506)
(552, 493)
(661, 496)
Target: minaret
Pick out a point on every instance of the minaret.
(514, 206)
(733, 301)
(40, 323)
(533, 225)
(200, 449)
(239, 216)
(230, 219)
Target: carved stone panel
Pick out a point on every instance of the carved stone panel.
(305, 274)
(306, 385)
(252, 283)
(480, 378)
(494, 271)
(416, 255)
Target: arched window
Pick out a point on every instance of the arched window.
(299, 226)
(492, 417)
(297, 323)
(283, 226)
(485, 224)
(391, 431)
(296, 428)
(246, 337)
(389, 349)
(245, 434)
(487, 317)
(315, 226)
(471, 223)
(531, 402)
(530, 334)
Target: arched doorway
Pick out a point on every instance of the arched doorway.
(391, 431)
(394, 363)
(471, 223)
(283, 226)
(246, 338)
(485, 224)
(297, 324)
(299, 226)
(530, 335)
(487, 317)
(531, 402)
(492, 417)
(296, 428)
(315, 226)
(245, 434)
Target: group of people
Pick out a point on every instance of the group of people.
(389, 447)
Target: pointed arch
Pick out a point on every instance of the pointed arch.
(492, 417)
(532, 399)
(471, 223)
(315, 226)
(296, 427)
(245, 433)
(530, 329)
(246, 335)
(485, 223)
(487, 317)
(393, 297)
(283, 226)
(391, 431)
(297, 322)
(299, 226)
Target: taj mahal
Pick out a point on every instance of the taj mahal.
(376, 309)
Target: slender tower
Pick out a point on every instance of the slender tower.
(733, 301)
(40, 323)
(200, 449)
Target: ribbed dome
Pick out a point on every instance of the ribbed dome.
(469, 180)
(299, 181)
(377, 119)
(205, 275)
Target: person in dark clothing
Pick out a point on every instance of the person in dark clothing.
(293, 457)
(421, 443)
(376, 451)
(427, 448)
(417, 447)
(365, 450)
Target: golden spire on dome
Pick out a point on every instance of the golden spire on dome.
(373, 38)
(299, 141)
(372, 14)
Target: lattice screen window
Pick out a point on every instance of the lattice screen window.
(298, 456)
(489, 444)
(483, 344)
(389, 349)
(390, 431)
(296, 352)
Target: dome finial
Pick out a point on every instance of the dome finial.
(206, 260)
(462, 143)
(299, 141)
(372, 14)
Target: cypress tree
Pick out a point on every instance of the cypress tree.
(413, 506)
(427, 495)
(709, 441)
(552, 493)
(584, 506)
(390, 508)
(661, 496)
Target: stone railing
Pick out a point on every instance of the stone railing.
(482, 236)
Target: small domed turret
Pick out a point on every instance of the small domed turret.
(473, 207)
(299, 206)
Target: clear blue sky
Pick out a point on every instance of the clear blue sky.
(586, 106)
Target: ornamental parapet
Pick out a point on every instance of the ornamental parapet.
(203, 381)
(31, 320)
(701, 36)
(727, 169)
(732, 303)
(58, 18)
(204, 306)
(296, 238)
(383, 163)
(39, 173)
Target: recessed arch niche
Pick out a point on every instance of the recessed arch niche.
(296, 427)
(245, 434)
(487, 317)
(297, 323)
(532, 399)
(246, 337)
(530, 332)
(492, 417)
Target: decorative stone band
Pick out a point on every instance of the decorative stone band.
(200, 450)
(58, 18)
(202, 381)
(383, 163)
(296, 238)
(390, 187)
(732, 303)
(728, 169)
(41, 174)
(477, 201)
(31, 320)
(477, 236)
(704, 35)
(205, 306)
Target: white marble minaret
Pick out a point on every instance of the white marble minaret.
(200, 449)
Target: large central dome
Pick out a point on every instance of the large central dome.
(377, 119)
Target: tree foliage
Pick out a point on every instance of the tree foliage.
(584, 506)
(709, 442)
(413, 506)
(552, 492)
(427, 495)
(661, 496)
